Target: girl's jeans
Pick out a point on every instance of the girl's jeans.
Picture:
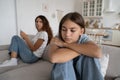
(80, 68)
(19, 46)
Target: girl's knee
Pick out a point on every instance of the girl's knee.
(15, 37)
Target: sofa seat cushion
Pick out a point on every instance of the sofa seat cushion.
(5, 56)
(37, 71)
(9, 68)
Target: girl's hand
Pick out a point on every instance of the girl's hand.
(23, 35)
(57, 42)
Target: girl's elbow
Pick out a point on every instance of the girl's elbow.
(52, 59)
(98, 53)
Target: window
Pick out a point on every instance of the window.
(92, 8)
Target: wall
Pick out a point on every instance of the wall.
(20, 14)
(27, 14)
(7, 21)
(111, 18)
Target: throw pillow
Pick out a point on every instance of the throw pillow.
(45, 54)
(104, 63)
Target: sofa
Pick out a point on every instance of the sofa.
(37, 71)
(113, 70)
(41, 70)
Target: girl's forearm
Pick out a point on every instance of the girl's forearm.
(88, 49)
(62, 55)
(30, 45)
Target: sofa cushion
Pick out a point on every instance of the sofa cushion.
(114, 57)
(36, 71)
(46, 53)
(5, 56)
(104, 63)
(9, 68)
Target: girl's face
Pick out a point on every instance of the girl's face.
(71, 31)
(39, 24)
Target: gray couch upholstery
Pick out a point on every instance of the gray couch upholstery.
(37, 71)
(41, 70)
(113, 71)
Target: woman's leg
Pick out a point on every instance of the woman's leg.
(19, 46)
(13, 54)
(88, 68)
(63, 71)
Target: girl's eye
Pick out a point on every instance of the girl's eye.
(38, 21)
(63, 29)
(72, 30)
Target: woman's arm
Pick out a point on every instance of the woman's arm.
(60, 55)
(89, 48)
(29, 43)
(60, 52)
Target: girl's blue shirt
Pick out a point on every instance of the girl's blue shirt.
(83, 38)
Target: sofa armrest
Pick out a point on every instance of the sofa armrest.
(112, 77)
(117, 77)
(4, 55)
(4, 47)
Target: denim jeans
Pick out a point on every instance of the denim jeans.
(80, 68)
(19, 46)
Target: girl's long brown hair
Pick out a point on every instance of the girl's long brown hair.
(46, 27)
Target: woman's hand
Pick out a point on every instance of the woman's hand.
(23, 35)
(57, 42)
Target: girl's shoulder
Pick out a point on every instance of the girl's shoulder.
(83, 38)
(42, 33)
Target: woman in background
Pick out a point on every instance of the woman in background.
(28, 51)
(74, 55)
